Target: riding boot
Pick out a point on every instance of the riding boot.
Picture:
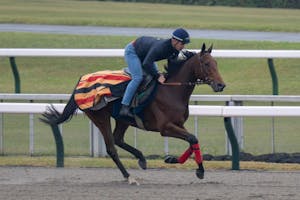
(125, 111)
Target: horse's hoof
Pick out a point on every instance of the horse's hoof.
(200, 171)
(200, 174)
(143, 164)
(132, 181)
(171, 160)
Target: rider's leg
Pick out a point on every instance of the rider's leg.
(135, 69)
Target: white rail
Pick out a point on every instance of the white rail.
(30, 108)
(195, 110)
(28, 52)
(245, 111)
(221, 98)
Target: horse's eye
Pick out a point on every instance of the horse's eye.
(206, 64)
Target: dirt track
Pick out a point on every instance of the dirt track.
(97, 183)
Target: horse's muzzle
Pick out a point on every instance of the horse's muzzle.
(218, 87)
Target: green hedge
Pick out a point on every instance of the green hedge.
(240, 3)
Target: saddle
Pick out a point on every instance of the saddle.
(94, 91)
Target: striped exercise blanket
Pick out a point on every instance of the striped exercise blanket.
(91, 88)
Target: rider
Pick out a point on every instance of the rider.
(142, 53)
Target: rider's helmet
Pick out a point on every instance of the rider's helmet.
(181, 35)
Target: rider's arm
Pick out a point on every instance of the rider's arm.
(148, 63)
(150, 68)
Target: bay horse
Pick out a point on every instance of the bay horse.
(166, 114)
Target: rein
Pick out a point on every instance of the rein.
(197, 82)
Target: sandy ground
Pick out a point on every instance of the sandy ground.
(98, 183)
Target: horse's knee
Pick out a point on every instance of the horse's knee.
(192, 139)
(166, 129)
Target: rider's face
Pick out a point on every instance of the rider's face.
(177, 45)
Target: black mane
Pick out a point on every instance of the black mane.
(174, 65)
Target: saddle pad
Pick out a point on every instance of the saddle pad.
(92, 87)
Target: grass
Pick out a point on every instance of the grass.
(132, 163)
(103, 13)
(58, 75)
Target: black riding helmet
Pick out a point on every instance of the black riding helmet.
(181, 35)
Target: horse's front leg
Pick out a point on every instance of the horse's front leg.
(172, 130)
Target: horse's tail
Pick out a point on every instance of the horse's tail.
(52, 116)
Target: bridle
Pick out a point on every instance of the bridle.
(197, 82)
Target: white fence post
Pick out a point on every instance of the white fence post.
(135, 137)
(1, 134)
(31, 134)
(166, 145)
(98, 147)
(273, 132)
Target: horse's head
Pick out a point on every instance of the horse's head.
(207, 70)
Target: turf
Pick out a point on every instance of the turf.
(58, 75)
(105, 13)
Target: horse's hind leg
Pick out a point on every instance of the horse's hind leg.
(119, 133)
(102, 121)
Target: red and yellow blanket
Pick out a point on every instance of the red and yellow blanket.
(92, 87)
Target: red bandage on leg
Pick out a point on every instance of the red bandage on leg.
(185, 155)
(197, 152)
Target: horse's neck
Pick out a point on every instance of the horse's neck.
(185, 76)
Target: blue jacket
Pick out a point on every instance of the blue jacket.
(150, 49)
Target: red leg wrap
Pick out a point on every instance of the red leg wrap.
(197, 152)
(185, 155)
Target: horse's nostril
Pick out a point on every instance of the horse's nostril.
(221, 86)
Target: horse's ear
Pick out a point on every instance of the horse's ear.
(203, 49)
(210, 49)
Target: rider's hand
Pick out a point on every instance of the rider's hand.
(161, 78)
